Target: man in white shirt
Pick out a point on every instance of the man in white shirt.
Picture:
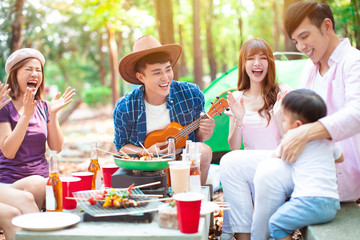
(333, 71)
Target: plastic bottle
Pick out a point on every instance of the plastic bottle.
(53, 186)
(95, 168)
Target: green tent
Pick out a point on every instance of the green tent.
(288, 72)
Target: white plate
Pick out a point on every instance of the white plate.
(45, 221)
(208, 207)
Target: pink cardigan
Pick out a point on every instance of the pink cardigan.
(343, 120)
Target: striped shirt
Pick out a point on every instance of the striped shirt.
(185, 103)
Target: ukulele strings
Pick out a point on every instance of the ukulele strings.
(192, 126)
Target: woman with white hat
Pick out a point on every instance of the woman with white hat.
(23, 196)
(27, 122)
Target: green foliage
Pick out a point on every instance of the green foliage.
(97, 96)
(187, 79)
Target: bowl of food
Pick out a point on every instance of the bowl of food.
(142, 161)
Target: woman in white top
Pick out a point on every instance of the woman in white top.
(253, 123)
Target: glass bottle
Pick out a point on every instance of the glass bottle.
(53, 186)
(187, 146)
(194, 158)
(95, 168)
(172, 154)
(171, 148)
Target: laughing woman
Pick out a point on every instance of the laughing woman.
(27, 122)
(255, 122)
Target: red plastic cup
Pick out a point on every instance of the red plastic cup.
(69, 185)
(188, 206)
(108, 171)
(86, 180)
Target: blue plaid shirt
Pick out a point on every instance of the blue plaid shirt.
(185, 103)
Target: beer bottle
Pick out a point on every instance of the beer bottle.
(95, 168)
(53, 186)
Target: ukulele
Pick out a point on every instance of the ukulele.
(180, 133)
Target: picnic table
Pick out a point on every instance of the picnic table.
(120, 230)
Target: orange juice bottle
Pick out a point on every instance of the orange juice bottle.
(95, 168)
(54, 186)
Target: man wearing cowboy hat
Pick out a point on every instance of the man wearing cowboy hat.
(158, 101)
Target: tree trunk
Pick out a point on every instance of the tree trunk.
(16, 38)
(64, 116)
(289, 45)
(165, 24)
(276, 27)
(102, 71)
(182, 66)
(120, 46)
(224, 66)
(240, 24)
(210, 45)
(113, 64)
(356, 23)
(198, 67)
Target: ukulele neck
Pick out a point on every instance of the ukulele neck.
(192, 126)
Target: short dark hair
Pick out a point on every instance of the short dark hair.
(152, 58)
(305, 104)
(297, 12)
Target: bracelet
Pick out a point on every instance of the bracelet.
(236, 123)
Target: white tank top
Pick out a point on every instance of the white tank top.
(256, 134)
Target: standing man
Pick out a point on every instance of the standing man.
(332, 71)
(158, 101)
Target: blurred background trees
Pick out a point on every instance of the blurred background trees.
(83, 40)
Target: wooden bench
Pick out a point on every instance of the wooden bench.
(345, 226)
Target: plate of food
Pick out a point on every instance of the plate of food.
(45, 221)
(208, 207)
(115, 202)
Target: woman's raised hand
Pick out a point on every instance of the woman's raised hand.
(237, 107)
(4, 91)
(59, 102)
(29, 102)
(279, 99)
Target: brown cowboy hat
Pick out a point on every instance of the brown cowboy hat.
(143, 46)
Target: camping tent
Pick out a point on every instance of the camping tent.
(288, 72)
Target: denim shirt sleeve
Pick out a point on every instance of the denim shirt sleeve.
(130, 119)
(122, 124)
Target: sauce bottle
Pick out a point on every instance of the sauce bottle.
(95, 168)
(53, 186)
(194, 157)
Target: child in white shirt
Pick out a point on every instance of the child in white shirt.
(315, 198)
